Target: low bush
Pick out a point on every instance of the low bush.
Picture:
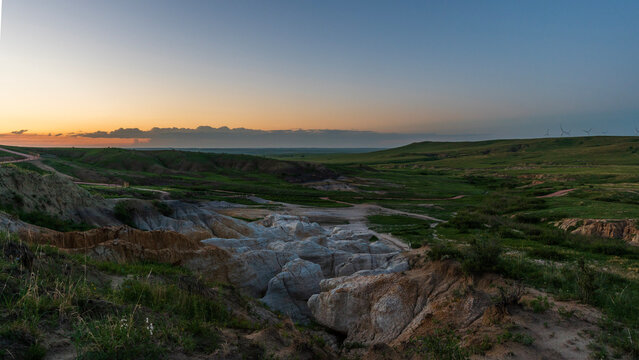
(547, 253)
(117, 337)
(465, 221)
(125, 211)
(162, 208)
(443, 251)
(442, 344)
(482, 256)
(528, 218)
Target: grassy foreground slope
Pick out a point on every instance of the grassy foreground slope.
(60, 306)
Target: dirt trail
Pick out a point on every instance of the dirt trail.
(556, 193)
(26, 157)
(163, 194)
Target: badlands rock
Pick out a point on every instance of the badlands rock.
(309, 250)
(289, 290)
(362, 246)
(382, 308)
(334, 253)
(255, 268)
(251, 256)
(295, 227)
(195, 220)
(614, 229)
(358, 262)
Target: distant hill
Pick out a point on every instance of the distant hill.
(174, 161)
(599, 150)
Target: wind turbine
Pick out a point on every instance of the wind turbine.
(588, 131)
(564, 132)
(547, 132)
(636, 130)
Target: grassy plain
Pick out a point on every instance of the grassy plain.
(486, 191)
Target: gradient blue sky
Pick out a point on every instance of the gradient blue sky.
(480, 69)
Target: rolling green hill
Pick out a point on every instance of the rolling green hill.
(174, 161)
(597, 150)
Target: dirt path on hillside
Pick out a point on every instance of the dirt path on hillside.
(556, 193)
(163, 194)
(26, 157)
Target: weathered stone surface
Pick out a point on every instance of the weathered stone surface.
(197, 221)
(289, 290)
(625, 229)
(377, 309)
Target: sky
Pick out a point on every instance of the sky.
(383, 72)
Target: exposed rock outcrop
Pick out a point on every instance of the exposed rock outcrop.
(281, 258)
(625, 229)
(389, 312)
(379, 308)
(282, 238)
(289, 290)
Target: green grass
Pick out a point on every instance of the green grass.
(157, 309)
(572, 266)
(46, 220)
(30, 167)
(576, 151)
(415, 232)
(499, 225)
(442, 344)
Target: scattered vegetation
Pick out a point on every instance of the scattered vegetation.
(149, 315)
(125, 211)
(416, 232)
(499, 225)
(43, 219)
(162, 207)
(442, 344)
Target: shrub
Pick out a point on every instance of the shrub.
(528, 218)
(506, 204)
(517, 337)
(547, 253)
(539, 304)
(585, 281)
(443, 251)
(442, 344)
(482, 256)
(508, 296)
(124, 211)
(465, 221)
(204, 336)
(549, 236)
(162, 208)
(116, 338)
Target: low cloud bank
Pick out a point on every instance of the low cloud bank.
(210, 137)
(223, 137)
